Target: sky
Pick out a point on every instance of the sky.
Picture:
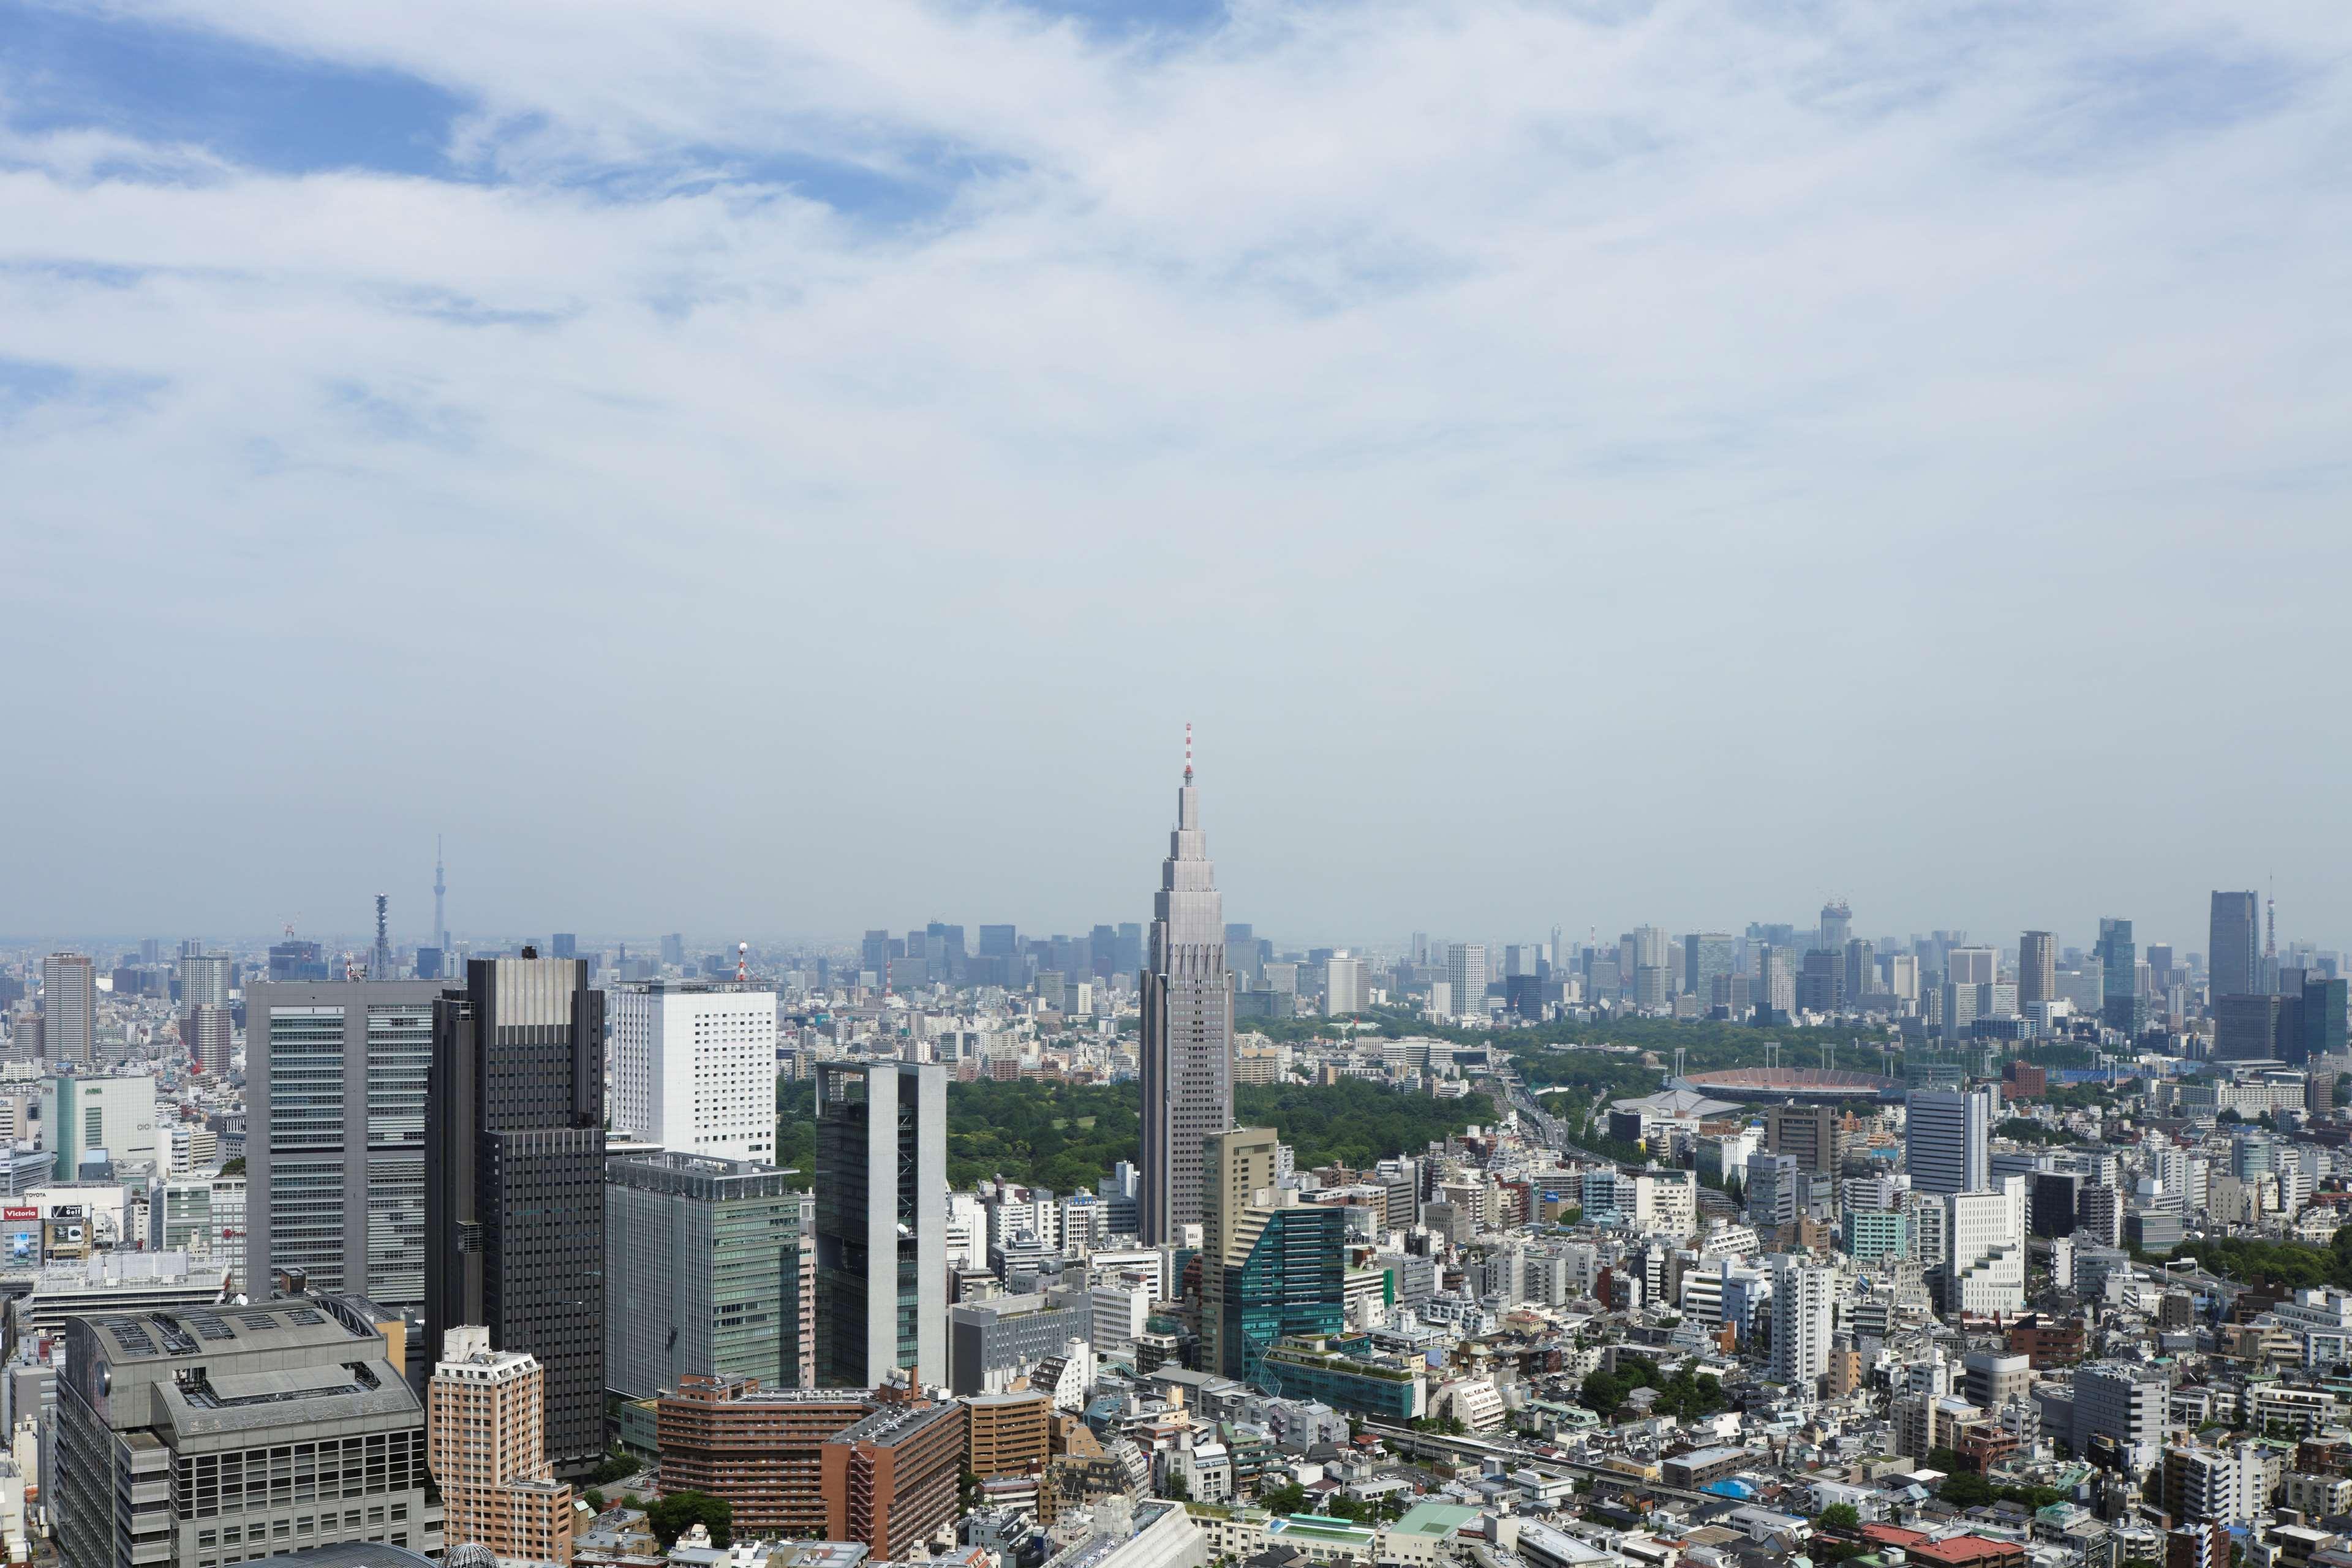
(779, 469)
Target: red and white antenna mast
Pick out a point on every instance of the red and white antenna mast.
(742, 965)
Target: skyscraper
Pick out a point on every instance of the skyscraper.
(2234, 943)
(2037, 968)
(1861, 971)
(1187, 1043)
(1466, 971)
(1707, 954)
(1971, 966)
(694, 1069)
(335, 1091)
(1948, 1138)
(1837, 926)
(514, 1181)
(2120, 1001)
(881, 1222)
(69, 1008)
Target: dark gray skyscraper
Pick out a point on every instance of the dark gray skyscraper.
(881, 1222)
(2233, 946)
(2037, 968)
(1837, 926)
(1188, 1025)
(514, 1181)
(2119, 1002)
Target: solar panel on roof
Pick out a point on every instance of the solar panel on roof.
(305, 1315)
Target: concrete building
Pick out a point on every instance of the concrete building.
(709, 1267)
(112, 1114)
(991, 1343)
(334, 1091)
(1006, 1434)
(514, 1143)
(1801, 1321)
(2125, 1403)
(70, 1009)
(1343, 986)
(1270, 1268)
(208, 1033)
(694, 1067)
(881, 1222)
(1948, 1138)
(179, 1437)
(486, 1445)
(1985, 1263)
(1186, 1045)
(762, 1449)
(891, 1479)
(1809, 1132)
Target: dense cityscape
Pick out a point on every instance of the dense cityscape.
(1170, 1244)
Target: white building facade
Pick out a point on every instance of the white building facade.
(694, 1069)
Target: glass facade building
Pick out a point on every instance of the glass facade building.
(702, 1274)
(336, 1090)
(881, 1221)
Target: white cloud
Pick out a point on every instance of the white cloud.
(1601, 382)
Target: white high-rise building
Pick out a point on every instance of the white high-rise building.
(1465, 973)
(1343, 987)
(1801, 1321)
(1985, 1272)
(694, 1067)
(203, 980)
(1948, 1138)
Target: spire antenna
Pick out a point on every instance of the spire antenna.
(1187, 750)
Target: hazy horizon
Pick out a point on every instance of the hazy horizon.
(793, 471)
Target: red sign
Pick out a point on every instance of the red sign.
(20, 1213)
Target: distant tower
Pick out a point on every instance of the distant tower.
(743, 963)
(1187, 1042)
(440, 921)
(380, 962)
(2270, 943)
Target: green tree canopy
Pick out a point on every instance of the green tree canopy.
(676, 1514)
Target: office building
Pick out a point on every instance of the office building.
(486, 1445)
(761, 1449)
(881, 1222)
(1187, 1041)
(334, 1093)
(2245, 1027)
(2120, 1006)
(1971, 966)
(1466, 977)
(706, 1269)
(86, 1118)
(1801, 1321)
(69, 1008)
(1948, 1138)
(2125, 1403)
(207, 1033)
(1860, 972)
(1809, 1132)
(1708, 956)
(2233, 947)
(992, 1342)
(694, 1069)
(514, 1181)
(891, 1479)
(1343, 987)
(1836, 926)
(180, 1435)
(2037, 968)
(1985, 1267)
(203, 980)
